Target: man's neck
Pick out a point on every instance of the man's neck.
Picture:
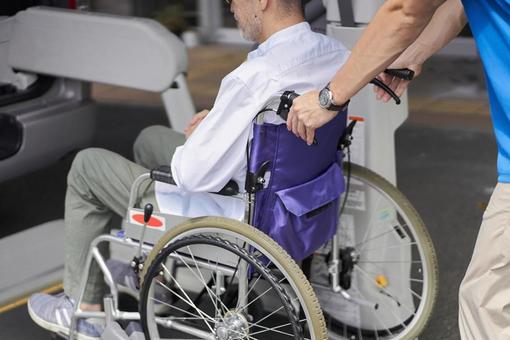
(273, 26)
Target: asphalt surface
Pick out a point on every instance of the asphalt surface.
(445, 168)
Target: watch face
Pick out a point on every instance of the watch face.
(324, 98)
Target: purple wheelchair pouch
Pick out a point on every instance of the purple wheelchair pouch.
(299, 206)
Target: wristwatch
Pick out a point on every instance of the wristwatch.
(326, 101)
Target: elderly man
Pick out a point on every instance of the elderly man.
(289, 57)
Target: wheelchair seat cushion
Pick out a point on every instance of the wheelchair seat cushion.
(299, 206)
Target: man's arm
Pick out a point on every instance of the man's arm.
(396, 25)
(445, 25)
(216, 150)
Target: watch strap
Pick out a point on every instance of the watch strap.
(334, 107)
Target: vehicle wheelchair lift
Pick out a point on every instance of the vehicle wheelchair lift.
(146, 57)
(353, 312)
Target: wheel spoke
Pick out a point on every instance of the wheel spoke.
(369, 224)
(177, 308)
(376, 237)
(268, 329)
(214, 279)
(272, 313)
(391, 247)
(388, 293)
(258, 297)
(373, 261)
(172, 318)
(377, 317)
(392, 276)
(202, 280)
(253, 286)
(188, 299)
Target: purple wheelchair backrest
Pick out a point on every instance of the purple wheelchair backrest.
(298, 207)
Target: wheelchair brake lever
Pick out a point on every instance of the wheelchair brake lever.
(137, 262)
(346, 139)
(255, 181)
(402, 73)
(147, 213)
(386, 89)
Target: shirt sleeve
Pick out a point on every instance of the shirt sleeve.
(216, 151)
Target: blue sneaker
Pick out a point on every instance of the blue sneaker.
(54, 313)
(126, 279)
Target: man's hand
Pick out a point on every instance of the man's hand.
(195, 121)
(398, 85)
(306, 116)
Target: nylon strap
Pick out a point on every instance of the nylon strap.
(346, 13)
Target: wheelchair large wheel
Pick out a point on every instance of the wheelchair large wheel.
(222, 279)
(388, 265)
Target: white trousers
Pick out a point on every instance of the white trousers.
(484, 295)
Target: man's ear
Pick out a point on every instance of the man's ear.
(264, 4)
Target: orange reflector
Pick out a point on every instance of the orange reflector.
(381, 281)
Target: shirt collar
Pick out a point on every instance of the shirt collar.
(276, 38)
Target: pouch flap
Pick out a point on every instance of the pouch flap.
(309, 196)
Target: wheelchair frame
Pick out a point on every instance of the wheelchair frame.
(137, 235)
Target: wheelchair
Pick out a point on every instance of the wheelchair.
(217, 277)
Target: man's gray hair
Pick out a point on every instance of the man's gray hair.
(292, 5)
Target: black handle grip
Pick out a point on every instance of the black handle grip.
(163, 174)
(291, 95)
(286, 101)
(402, 73)
(147, 212)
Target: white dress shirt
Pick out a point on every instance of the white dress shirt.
(295, 59)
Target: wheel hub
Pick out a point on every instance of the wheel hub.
(233, 326)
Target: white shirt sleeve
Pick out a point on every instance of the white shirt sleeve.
(216, 150)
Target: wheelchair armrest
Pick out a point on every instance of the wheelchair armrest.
(230, 189)
(163, 174)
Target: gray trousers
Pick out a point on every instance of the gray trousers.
(98, 187)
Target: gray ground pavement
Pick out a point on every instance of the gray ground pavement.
(446, 158)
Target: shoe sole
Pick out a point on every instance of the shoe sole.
(55, 328)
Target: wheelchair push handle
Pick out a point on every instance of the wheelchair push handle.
(288, 97)
(286, 101)
(402, 73)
